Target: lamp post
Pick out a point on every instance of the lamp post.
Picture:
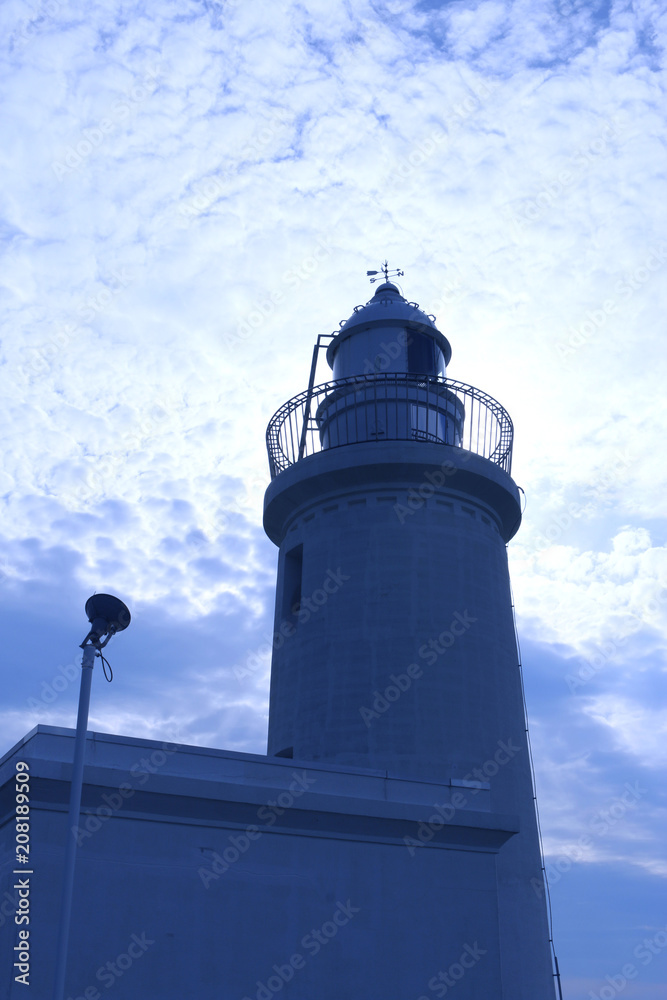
(107, 615)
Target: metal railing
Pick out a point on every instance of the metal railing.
(389, 407)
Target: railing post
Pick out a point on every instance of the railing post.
(309, 396)
(306, 409)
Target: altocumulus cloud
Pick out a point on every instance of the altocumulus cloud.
(190, 200)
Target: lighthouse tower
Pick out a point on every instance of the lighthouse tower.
(386, 846)
(392, 504)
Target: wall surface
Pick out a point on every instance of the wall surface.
(221, 876)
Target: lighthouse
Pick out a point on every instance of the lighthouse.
(386, 845)
(392, 504)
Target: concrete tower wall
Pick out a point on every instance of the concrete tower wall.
(393, 584)
(399, 648)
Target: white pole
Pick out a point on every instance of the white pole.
(87, 664)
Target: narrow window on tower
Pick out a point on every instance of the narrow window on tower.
(292, 573)
(421, 355)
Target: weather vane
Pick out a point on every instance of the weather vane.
(384, 269)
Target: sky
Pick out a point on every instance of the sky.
(192, 192)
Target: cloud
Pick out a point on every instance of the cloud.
(194, 195)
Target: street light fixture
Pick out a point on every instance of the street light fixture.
(107, 615)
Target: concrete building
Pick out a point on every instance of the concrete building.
(386, 847)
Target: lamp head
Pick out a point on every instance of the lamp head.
(107, 615)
